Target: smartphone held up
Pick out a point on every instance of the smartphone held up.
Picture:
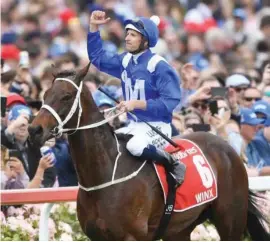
(24, 62)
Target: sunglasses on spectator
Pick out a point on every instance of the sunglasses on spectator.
(261, 115)
(239, 89)
(202, 105)
(249, 99)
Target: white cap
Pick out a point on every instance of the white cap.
(236, 80)
(131, 26)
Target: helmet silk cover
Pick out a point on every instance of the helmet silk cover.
(147, 27)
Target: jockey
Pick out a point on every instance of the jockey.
(150, 87)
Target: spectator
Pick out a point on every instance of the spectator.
(235, 27)
(199, 99)
(15, 136)
(68, 61)
(178, 124)
(261, 143)
(92, 82)
(200, 19)
(239, 83)
(266, 93)
(262, 138)
(13, 175)
(210, 81)
(190, 79)
(250, 96)
(196, 50)
(14, 99)
(262, 109)
(207, 42)
(265, 28)
(66, 172)
(103, 103)
(249, 127)
(265, 78)
(191, 118)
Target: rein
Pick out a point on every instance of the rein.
(119, 180)
(59, 130)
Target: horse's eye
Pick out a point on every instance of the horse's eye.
(67, 97)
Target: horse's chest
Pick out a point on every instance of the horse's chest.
(98, 223)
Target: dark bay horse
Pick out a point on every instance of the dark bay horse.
(131, 210)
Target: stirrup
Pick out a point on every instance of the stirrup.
(177, 183)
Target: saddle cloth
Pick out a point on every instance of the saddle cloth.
(200, 184)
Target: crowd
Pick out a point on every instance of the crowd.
(220, 50)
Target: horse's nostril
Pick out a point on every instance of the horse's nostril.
(35, 130)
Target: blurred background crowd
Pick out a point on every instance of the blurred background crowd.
(219, 48)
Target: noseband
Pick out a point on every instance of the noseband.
(59, 129)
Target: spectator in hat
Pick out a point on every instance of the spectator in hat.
(248, 129)
(235, 27)
(103, 102)
(239, 83)
(10, 53)
(15, 136)
(14, 99)
(196, 49)
(200, 19)
(262, 144)
(262, 109)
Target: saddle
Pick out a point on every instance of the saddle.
(200, 184)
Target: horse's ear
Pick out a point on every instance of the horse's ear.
(82, 73)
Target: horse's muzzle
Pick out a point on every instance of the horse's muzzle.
(35, 133)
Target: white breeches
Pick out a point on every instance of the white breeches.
(143, 135)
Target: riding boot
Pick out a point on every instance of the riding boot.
(175, 167)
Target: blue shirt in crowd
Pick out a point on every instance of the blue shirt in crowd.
(263, 147)
(64, 166)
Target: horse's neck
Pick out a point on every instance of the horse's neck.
(93, 150)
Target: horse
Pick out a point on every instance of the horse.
(131, 209)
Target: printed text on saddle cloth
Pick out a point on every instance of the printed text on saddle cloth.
(200, 184)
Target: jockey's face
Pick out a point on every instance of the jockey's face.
(133, 40)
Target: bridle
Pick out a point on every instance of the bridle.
(59, 129)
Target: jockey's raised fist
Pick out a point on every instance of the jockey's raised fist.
(98, 18)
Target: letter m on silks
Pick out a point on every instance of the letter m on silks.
(139, 88)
